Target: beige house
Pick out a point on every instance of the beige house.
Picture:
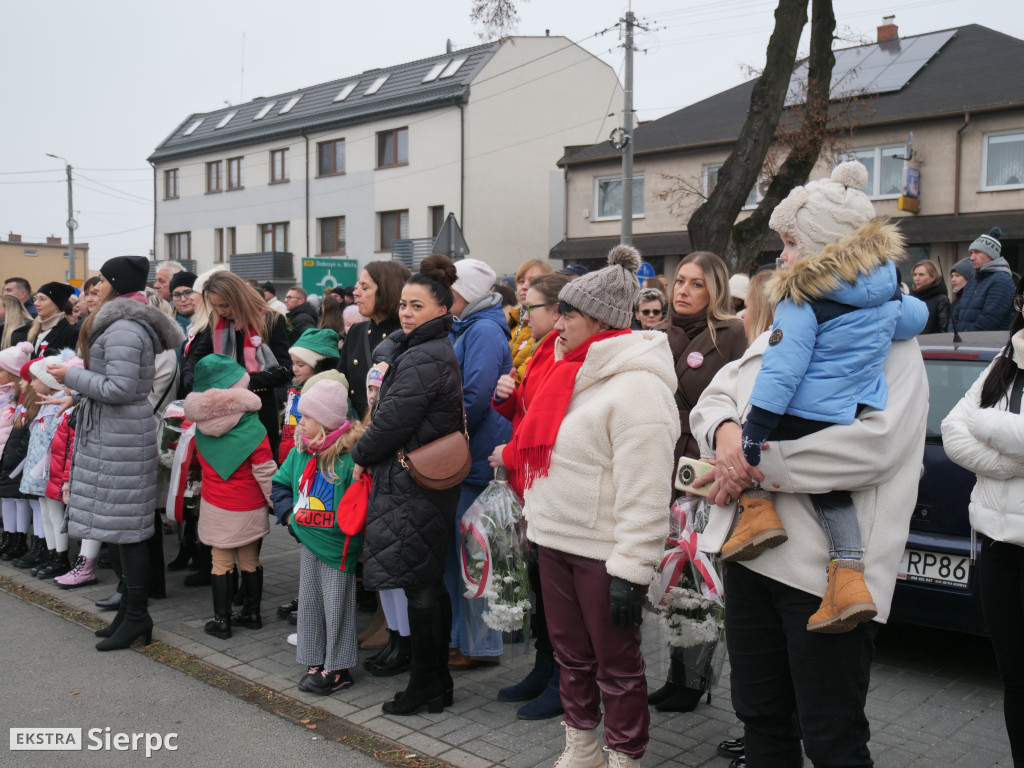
(41, 262)
(965, 111)
(344, 168)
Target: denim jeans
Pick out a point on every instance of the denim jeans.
(789, 684)
(838, 518)
(1002, 600)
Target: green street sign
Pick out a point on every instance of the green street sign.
(320, 275)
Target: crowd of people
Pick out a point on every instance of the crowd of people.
(799, 386)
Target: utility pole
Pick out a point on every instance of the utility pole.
(72, 224)
(627, 129)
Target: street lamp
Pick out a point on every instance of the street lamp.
(72, 224)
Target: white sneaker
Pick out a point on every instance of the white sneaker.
(293, 638)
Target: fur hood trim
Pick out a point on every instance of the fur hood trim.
(859, 253)
(163, 329)
(214, 403)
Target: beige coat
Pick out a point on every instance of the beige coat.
(608, 489)
(878, 457)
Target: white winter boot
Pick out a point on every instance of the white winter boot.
(619, 760)
(582, 749)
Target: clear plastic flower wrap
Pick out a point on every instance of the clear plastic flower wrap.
(688, 599)
(494, 558)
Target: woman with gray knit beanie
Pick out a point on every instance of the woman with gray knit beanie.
(595, 452)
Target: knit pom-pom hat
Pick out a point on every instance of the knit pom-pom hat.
(326, 403)
(12, 358)
(608, 294)
(826, 210)
(989, 244)
(37, 368)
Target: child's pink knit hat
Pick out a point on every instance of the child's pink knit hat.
(12, 358)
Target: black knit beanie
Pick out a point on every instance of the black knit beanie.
(58, 293)
(127, 274)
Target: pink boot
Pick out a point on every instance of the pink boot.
(82, 575)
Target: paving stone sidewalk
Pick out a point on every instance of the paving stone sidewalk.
(924, 711)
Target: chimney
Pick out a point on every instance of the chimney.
(13, 238)
(51, 240)
(888, 30)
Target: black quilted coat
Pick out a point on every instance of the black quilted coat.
(14, 453)
(407, 527)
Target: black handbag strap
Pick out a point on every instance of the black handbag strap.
(1016, 391)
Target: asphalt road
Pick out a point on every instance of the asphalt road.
(53, 677)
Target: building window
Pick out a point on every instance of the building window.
(393, 225)
(213, 171)
(218, 246)
(171, 184)
(885, 169)
(231, 249)
(278, 166)
(608, 197)
(332, 235)
(331, 157)
(436, 219)
(1002, 161)
(709, 180)
(234, 173)
(274, 237)
(179, 246)
(393, 148)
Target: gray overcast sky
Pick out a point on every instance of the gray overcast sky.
(103, 82)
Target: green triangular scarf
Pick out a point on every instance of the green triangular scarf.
(227, 452)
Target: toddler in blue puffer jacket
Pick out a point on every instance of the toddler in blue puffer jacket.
(838, 309)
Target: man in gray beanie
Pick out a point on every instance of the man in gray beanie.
(986, 303)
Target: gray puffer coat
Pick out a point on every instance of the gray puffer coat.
(113, 468)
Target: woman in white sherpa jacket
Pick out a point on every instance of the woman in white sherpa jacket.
(596, 448)
(820, 701)
(985, 434)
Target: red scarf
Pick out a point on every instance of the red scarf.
(534, 441)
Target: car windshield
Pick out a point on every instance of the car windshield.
(948, 380)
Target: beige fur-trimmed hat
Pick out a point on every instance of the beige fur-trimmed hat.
(826, 210)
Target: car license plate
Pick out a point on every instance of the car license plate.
(935, 568)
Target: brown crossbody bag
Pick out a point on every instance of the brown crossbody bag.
(440, 464)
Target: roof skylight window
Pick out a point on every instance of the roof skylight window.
(375, 86)
(434, 72)
(291, 103)
(192, 128)
(453, 67)
(227, 119)
(266, 108)
(344, 92)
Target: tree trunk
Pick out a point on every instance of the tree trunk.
(710, 225)
(749, 237)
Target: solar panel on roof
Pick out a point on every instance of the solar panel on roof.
(881, 68)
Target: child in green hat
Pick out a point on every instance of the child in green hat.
(316, 350)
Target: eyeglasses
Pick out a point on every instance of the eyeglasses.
(179, 295)
(528, 308)
(651, 312)
(1018, 303)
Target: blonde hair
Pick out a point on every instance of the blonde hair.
(716, 280)
(15, 316)
(248, 306)
(331, 454)
(156, 301)
(760, 312)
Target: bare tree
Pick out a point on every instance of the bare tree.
(499, 18)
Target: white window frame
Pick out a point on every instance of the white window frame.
(755, 196)
(983, 183)
(875, 178)
(618, 177)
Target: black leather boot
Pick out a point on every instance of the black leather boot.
(157, 577)
(137, 621)
(189, 540)
(17, 548)
(221, 624)
(5, 542)
(425, 688)
(36, 551)
(384, 652)
(204, 561)
(252, 585)
(396, 662)
(58, 565)
(48, 560)
(121, 605)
